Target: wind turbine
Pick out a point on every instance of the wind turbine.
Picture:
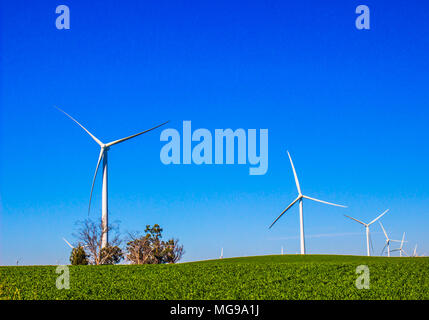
(415, 252)
(221, 254)
(388, 240)
(300, 200)
(400, 249)
(367, 228)
(104, 148)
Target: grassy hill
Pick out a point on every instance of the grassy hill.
(261, 277)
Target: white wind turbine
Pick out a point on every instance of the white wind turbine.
(415, 252)
(104, 148)
(400, 249)
(367, 228)
(388, 240)
(300, 200)
(221, 254)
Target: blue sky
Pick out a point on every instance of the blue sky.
(350, 105)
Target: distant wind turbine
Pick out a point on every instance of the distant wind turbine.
(400, 249)
(221, 254)
(104, 148)
(388, 240)
(367, 228)
(300, 200)
(415, 252)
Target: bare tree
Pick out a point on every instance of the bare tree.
(174, 251)
(90, 234)
(139, 249)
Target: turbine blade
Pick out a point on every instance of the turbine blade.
(402, 241)
(382, 251)
(68, 243)
(134, 135)
(294, 174)
(288, 207)
(92, 136)
(383, 229)
(378, 217)
(95, 175)
(356, 220)
(330, 203)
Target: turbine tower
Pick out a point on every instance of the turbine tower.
(300, 200)
(367, 228)
(104, 148)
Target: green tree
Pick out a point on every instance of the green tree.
(111, 255)
(151, 249)
(78, 256)
(173, 251)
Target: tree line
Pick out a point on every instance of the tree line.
(149, 248)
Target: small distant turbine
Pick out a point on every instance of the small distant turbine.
(282, 250)
(367, 228)
(388, 240)
(415, 252)
(221, 254)
(300, 200)
(400, 249)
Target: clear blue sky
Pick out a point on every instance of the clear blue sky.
(351, 106)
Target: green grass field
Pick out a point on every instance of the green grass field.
(262, 277)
